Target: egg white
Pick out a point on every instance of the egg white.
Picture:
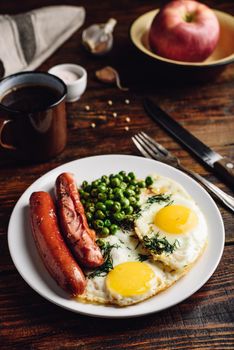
(189, 245)
(128, 249)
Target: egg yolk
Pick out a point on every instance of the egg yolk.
(175, 219)
(130, 278)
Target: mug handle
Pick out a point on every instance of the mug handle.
(3, 123)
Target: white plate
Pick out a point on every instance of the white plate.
(31, 268)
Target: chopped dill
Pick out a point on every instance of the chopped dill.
(138, 243)
(143, 257)
(103, 270)
(169, 203)
(159, 245)
(158, 198)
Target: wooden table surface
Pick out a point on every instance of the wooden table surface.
(203, 321)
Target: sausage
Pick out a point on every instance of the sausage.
(74, 224)
(53, 250)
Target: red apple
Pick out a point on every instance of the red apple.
(184, 30)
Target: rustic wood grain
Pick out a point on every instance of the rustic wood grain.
(205, 320)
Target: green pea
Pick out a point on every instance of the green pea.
(81, 192)
(119, 196)
(91, 208)
(134, 182)
(99, 215)
(119, 176)
(89, 216)
(94, 192)
(116, 190)
(116, 207)
(100, 206)
(102, 188)
(95, 183)
(137, 198)
(84, 184)
(123, 185)
(102, 196)
(128, 210)
(141, 184)
(105, 231)
(113, 229)
(109, 203)
(88, 188)
(132, 175)
(107, 223)
(137, 190)
(115, 182)
(128, 192)
(98, 224)
(86, 195)
(124, 202)
(123, 173)
(118, 216)
(149, 181)
(132, 200)
(127, 179)
(87, 203)
(83, 201)
(105, 179)
(137, 207)
(131, 187)
(111, 196)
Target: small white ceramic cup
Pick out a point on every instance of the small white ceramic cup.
(75, 87)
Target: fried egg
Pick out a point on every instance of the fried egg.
(173, 229)
(131, 280)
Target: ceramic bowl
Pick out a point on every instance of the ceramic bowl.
(214, 64)
(76, 87)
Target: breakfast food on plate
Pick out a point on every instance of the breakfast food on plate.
(74, 224)
(184, 30)
(178, 227)
(153, 246)
(53, 251)
(149, 234)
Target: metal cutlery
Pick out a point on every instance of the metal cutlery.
(149, 148)
(221, 166)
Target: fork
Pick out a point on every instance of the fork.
(149, 148)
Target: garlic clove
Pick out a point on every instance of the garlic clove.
(110, 76)
(98, 38)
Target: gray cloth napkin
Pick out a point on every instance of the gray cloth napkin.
(28, 39)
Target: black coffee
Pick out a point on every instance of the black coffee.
(30, 98)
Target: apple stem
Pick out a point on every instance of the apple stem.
(189, 17)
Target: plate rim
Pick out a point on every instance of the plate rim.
(106, 315)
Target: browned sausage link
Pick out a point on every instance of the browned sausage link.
(74, 223)
(52, 248)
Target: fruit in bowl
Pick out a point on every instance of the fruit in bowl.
(184, 30)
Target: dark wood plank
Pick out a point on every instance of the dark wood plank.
(204, 321)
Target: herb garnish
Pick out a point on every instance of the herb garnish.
(159, 245)
(169, 203)
(158, 198)
(103, 270)
(143, 257)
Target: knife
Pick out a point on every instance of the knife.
(221, 166)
